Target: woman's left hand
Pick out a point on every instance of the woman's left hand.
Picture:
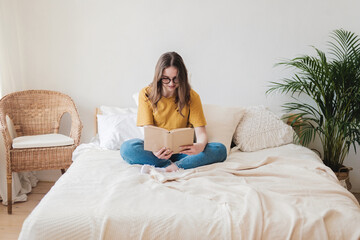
(194, 149)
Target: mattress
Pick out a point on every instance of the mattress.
(277, 193)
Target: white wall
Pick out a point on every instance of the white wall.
(101, 52)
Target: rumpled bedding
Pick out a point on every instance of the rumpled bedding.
(278, 193)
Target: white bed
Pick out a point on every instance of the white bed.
(281, 192)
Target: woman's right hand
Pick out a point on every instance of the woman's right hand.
(163, 153)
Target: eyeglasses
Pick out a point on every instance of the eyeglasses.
(167, 80)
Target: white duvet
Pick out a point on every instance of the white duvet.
(279, 193)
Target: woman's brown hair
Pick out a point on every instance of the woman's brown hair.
(182, 93)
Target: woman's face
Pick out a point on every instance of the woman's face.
(169, 81)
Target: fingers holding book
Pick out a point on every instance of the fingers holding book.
(192, 149)
(163, 153)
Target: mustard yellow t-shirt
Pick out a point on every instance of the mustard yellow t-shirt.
(166, 115)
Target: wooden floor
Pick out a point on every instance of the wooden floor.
(10, 225)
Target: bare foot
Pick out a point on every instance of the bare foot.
(145, 169)
(171, 168)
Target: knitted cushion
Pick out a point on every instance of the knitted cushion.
(259, 129)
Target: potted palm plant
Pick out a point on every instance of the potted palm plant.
(332, 82)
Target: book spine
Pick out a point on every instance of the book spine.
(168, 140)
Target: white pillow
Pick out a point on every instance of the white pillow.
(114, 129)
(221, 123)
(259, 129)
(115, 110)
(135, 96)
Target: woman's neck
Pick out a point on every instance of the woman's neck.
(167, 94)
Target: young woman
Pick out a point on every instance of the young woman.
(170, 103)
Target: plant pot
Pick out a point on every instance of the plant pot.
(343, 176)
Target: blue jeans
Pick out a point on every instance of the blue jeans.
(132, 151)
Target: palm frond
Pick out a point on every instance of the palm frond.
(333, 84)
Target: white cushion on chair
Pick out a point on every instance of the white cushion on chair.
(44, 140)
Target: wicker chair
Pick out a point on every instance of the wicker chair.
(37, 113)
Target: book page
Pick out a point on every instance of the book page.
(155, 138)
(181, 137)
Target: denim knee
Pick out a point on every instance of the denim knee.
(220, 150)
(129, 148)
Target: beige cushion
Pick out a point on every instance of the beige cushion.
(44, 140)
(11, 127)
(221, 123)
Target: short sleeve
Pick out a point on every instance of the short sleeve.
(196, 115)
(145, 112)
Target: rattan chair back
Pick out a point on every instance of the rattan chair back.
(36, 112)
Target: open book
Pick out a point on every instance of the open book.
(155, 138)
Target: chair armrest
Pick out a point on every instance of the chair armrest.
(5, 132)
